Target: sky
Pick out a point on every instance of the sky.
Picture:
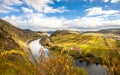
(51, 15)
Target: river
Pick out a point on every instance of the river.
(35, 47)
(92, 69)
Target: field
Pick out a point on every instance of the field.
(93, 44)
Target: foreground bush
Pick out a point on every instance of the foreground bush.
(112, 62)
(58, 64)
(16, 63)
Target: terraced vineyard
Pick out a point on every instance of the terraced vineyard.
(94, 44)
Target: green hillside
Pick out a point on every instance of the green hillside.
(63, 45)
(85, 47)
(94, 44)
(13, 56)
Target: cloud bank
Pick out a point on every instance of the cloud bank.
(34, 16)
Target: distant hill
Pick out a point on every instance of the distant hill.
(63, 32)
(115, 31)
(112, 31)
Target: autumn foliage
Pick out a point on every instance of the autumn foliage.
(57, 64)
(14, 62)
(112, 62)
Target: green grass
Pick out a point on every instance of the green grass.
(86, 43)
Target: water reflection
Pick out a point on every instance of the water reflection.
(92, 69)
(36, 48)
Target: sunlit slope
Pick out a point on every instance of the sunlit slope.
(14, 58)
(14, 62)
(12, 37)
(98, 45)
(95, 44)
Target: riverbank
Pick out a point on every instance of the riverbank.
(35, 48)
(29, 51)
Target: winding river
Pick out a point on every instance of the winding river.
(92, 69)
(36, 47)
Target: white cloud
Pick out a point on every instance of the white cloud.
(36, 21)
(106, 0)
(51, 10)
(34, 17)
(15, 20)
(115, 1)
(91, 1)
(12, 2)
(42, 6)
(27, 10)
(96, 18)
(58, 0)
(6, 9)
(95, 11)
(111, 1)
(92, 22)
(6, 5)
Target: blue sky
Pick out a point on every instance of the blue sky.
(47, 15)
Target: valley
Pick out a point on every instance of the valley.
(86, 47)
(21, 52)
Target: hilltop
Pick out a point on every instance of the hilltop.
(110, 31)
(63, 32)
(115, 31)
